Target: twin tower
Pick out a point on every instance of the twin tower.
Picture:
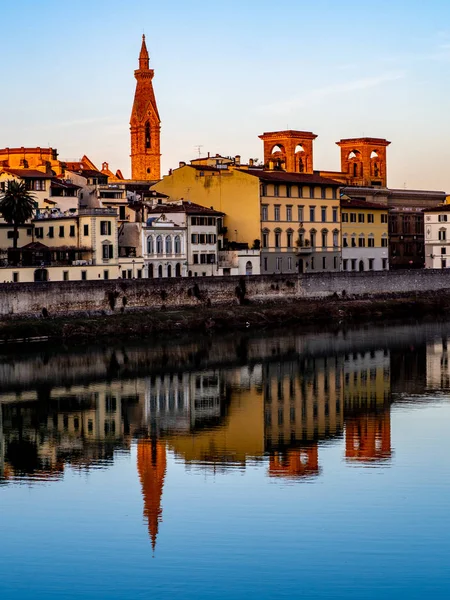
(363, 160)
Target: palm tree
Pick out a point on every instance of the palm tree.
(17, 206)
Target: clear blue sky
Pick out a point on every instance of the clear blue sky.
(227, 71)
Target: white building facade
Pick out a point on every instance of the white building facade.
(164, 248)
(437, 237)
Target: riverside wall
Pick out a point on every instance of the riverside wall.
(32, 299)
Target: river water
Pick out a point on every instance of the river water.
(266, 465)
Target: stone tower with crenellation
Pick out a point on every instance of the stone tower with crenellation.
(145, 124)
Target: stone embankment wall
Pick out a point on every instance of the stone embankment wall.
(116, 295)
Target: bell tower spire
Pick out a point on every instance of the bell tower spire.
(145, 124)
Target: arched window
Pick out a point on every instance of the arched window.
(277, 238)
(169, 270)
(249, 268)
(345, 241)
(160, 271)
(362, 240)
(277, 148)
(177, 244)
(147, 135)
(178, 270)
(289, 238)
(353, 240)
(301, 238)
(168, 244)
(371, 240)
(150, 271)
(265, 238)
(150, 247)
(159, 245)
(335, 238)
(312, 235)
(374, 154)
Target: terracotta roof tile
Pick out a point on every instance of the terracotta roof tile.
(285, 177)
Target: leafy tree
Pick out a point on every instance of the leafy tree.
(17, 206)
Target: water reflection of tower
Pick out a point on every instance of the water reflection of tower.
(151, 464)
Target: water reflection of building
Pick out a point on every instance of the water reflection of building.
(302, 401)
(367, 380)
(151, 464)
(81, 427)
(438, 371)
(368, 437)
(227, 423)
(295, 463)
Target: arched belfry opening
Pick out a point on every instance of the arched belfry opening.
(364, 161)
(289, 150)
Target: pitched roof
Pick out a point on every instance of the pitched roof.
(285, 177)
(28, 173)
(189, 208)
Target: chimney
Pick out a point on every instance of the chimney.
(181, 164)
(250, 162)
(208, 154)
(237, 159)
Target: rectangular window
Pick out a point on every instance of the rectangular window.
(312, 213)
(443, 250)
(51, 231)
(288, 213)
(195, 257)
(335, 215)
(324, 214)
(442, 234)
(264, 212)
(324, 262)
(371, 260)
(277, 239)
(344, 217)
(65, 275)
(15, 277)
(289, 239)
(265, 239)
(289, 263)
(352, 217)
(139, 273)
(85, 229)
(265, 263)
(194, 238)
(311, 192)
(384, 218)
(335, 260)
(61, 231)
(362, 242)
(39, 232)
(371, 242)
(345, 264)
(345, 241)
(211, 259)
(353, 242)
(361, 217)
(353, 264)
(442, 218)
(124, 274)
(130, 274)
(72, 231)
(385, 263)
(84, 275)
(443, 263)
(105, 227)
(276, 190)
(370, 218)
(279, 263)
(323, 193)
(276, 212)
(107, 251)
(288, 191)
(300, 214)
(384, 242)
(312, 263)
(122, 216)
(105, 274)
(29, 232)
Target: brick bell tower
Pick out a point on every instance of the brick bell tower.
(145, 124)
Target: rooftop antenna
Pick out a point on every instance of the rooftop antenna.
(199, 149)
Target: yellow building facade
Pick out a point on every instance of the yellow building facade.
(365, 243)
